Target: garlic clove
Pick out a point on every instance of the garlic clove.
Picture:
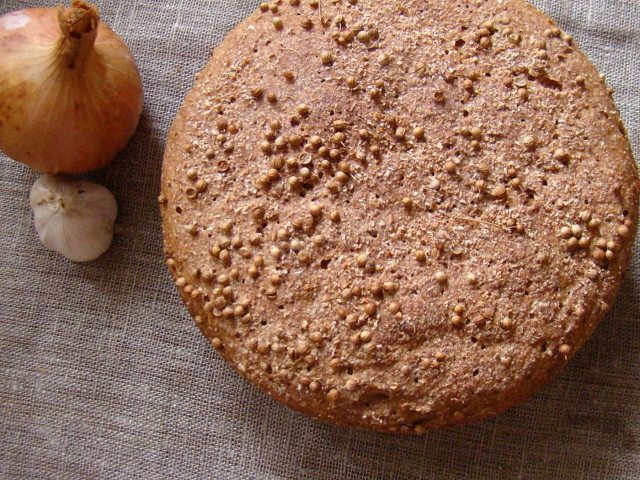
(73, 217)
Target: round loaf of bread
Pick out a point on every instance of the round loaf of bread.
(398, 216)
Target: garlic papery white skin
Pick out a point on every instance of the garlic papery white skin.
(73, 217)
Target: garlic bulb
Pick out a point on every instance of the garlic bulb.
(73, 217)
(70, 91)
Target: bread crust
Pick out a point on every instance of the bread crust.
(405, 229)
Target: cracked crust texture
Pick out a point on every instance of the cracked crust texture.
(409, 228)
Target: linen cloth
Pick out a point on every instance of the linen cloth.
(103, 375)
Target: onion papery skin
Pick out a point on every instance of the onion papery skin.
(62, 118)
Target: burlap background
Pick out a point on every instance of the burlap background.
(104, 375)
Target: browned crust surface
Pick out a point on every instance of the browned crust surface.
(468, 264)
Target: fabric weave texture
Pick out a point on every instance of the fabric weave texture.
(103, 374)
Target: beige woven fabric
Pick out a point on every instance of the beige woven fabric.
(103, 375)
